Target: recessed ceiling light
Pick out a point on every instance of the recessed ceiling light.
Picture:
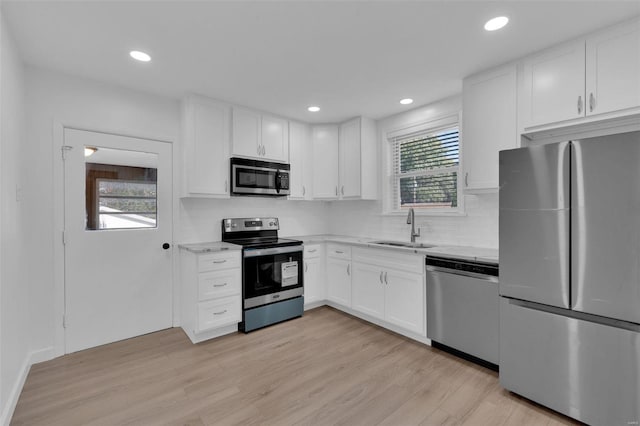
(140, 56)
(406, 101)
(313, 109)
(496, 23)
(89, 150)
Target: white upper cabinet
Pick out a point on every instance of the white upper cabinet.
(247, 133)
(613, 69)
(345, 160)
(260, 135)
(554, 85)
(275, 138)
(206, 133)
(326, 157)
(358, 159)
(488, 125)
(301, 161)
(583, 79)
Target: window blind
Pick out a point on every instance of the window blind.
(425, 170)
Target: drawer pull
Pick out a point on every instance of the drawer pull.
(339, 252)
(220, 261)
(220, 285)
(220, 313)
(313, 251)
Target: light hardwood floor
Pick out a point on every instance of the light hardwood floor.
(325, 368)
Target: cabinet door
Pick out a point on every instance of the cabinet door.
(313, 282)
(275, 139)
(207, 139)
(613, 70)
(368, 289)
(339, 281)
(488, 125)
(349, 162)
(554, 85)
(406, 300)
(299, 149)
(247, 133)
(325, 154)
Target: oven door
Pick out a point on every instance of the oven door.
(259, 180)
(271, 275)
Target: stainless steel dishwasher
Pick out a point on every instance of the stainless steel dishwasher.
(463, 311)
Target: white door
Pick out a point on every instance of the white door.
(367, 289)
(118, 217)
(350, 159)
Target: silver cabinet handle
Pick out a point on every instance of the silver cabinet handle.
(306, 266)
(220, 285)
(258, 149)
(592, 102)
(381, 277)
(225, 185)
(348, 269)
(339, 252)
(336, 191)
(220, 313)
(303, 190)
(342, 190)
(313, 251)
(220, 261)
(466, 179)
(579, 104)
(385, 278)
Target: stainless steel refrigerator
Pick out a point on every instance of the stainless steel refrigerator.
(570, 276)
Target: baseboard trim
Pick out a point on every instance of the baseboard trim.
(33, 357)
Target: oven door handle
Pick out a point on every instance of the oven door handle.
(274, 250)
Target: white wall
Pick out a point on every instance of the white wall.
(14, 308)
(477, 227)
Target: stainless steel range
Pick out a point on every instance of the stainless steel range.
(272, 276)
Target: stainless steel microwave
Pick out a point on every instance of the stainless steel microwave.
(254, 177)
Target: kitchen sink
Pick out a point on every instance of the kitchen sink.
(403, 244)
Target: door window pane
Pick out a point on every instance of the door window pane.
(121, 189)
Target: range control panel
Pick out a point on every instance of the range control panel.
(251, 224)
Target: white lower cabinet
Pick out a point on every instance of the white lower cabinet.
(339, 274)
(211, 285)
(390, 286)
(314, 289)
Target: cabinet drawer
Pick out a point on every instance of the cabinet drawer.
(217, 284)
(313, 250)
(219, 260)
(219, 312)
(340, 251)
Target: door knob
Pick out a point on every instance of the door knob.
(166, 246)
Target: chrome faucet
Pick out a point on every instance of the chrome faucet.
(411, 220)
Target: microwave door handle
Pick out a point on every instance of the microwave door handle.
(277, 181)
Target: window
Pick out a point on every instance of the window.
(425, 169)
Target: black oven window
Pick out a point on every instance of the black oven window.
(272, 273)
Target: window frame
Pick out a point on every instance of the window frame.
(98, 197)
(412, 131)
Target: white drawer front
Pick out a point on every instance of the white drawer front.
(340, 251)
(390, 259)
(219, 260)
(219, 313)
(312, 251)
(217, 284)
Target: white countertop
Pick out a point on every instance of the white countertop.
(209, 247)
(480, 254)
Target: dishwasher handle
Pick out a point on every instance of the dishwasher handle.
(440, 269)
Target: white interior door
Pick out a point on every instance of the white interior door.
(118, 217)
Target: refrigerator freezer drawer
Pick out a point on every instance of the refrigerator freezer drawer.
(586, 370)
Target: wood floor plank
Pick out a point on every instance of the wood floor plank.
(326, 368)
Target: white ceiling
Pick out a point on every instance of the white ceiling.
(350, 58)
